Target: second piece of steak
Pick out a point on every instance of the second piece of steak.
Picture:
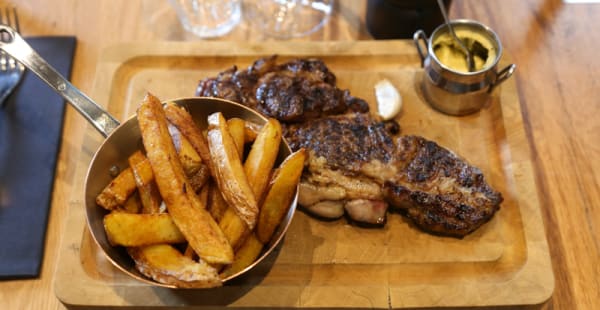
(438, 190)
(294, 91)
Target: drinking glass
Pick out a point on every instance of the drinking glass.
(284, 19)
(208, 18)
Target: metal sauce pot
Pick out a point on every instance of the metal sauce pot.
(447, 85)
(122, 140)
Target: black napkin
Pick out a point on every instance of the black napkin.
(30, 136)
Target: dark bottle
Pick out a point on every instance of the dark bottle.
(399, 19)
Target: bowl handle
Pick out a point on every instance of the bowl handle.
(16, 47)
(418, 37)
(503, 75)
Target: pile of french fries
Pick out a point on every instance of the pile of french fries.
(199, 206)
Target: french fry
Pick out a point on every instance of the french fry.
(199, 228)
(189, 252)
(115, 194)
(203, 195)
(260, 160)
(230, 175)
(144, 180)
(128, 229)
(190, 160)
(132, 205)
(280, 195)
(250, 131)
(179, 117)
(237, 130)
(200, 178)
(217, 204)
(244, 257)
(234, 228)
(166, 264)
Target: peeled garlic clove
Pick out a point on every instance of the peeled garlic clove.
(389, 101)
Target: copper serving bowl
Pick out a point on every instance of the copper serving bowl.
(125, 140)
(122, 140)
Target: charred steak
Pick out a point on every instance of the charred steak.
(294, 91)
(358, 165)
(438, 190)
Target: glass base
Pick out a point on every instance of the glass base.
(284, 19)
(208, 19)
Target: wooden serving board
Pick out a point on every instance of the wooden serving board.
(333, 264)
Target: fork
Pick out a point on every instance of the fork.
(11, 71)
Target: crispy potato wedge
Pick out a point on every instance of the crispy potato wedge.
(179, 117)
(203, 195)
(117, 191)
(190, 160)
(279, 197)
(129, 229)
(200, 178)
(237, 130)
(132, 205)
(163, 263)
(244, 257)
(234, 228)
(261, 158)
(144, 179)
(251, 130)
(196, 224)
(230, 175)
(216, 202)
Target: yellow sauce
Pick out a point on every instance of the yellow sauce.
(449, 53)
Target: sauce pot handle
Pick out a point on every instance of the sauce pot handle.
(418, 37)
(503, 75)
(21, 51)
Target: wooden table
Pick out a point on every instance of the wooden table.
(553, 44)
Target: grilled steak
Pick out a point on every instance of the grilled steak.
(358, 165)
(295, 91)
(346, 153)
(438, 190)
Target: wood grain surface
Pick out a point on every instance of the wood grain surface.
(553, 44)
(505, 262)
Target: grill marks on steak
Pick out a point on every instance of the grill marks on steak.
(295, 91)
(359, 163)
(438, 190)
(356, 164)
(346, 141)
(346, 153)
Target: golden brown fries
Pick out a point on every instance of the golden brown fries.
(132, 205)
(166, 264)
(244, 256)
(115, 194)
(251, 131)
(199, 189)
(200, 178)
(185, 123)
(216, 202)
(144, 179)
(231, 179)
(129, 229)
(190, 160)
(260, 160)
(234, 228)
(236, 129)
(203, 195)
(279, 197)
(196, 224)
